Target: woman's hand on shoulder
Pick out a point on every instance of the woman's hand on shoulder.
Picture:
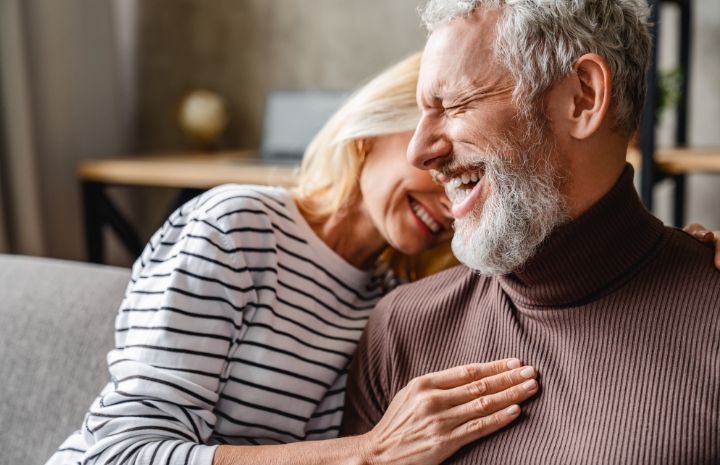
(438, 413)
(702, 234)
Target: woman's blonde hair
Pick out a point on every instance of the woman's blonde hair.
(330, 169)
(332, 163)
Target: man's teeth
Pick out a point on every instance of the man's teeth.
(453, 188)
(425, 217)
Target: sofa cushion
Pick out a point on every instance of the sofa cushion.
(56, 327)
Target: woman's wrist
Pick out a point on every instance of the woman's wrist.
(366, 448)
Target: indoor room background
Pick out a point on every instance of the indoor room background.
(88, 79)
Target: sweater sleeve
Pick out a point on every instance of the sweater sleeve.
(368, 392)
(179, 322)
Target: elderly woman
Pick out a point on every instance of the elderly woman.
(244, 310)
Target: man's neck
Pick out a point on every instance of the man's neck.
(592, 168)
(590, 254)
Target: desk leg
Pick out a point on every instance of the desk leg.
(91, 192)
(679, 201)
(99, 211)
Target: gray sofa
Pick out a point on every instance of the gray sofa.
(56, 327)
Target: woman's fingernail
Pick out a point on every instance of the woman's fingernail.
(513, 410)
(514, 364)
(528, 372)
(530, 385)
(702, 234)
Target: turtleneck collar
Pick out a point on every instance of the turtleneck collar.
(592, 254)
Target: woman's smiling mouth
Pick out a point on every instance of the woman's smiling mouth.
(424, 215)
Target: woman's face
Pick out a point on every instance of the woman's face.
(405, 205)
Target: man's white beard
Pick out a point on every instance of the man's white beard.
(523, 206)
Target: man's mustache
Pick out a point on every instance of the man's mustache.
(453, 167)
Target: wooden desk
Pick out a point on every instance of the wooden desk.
(193, 173)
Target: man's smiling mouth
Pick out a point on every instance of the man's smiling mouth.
(459, 186)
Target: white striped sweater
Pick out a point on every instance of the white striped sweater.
(237, 327)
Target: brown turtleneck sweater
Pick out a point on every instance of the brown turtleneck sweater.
(621, 317)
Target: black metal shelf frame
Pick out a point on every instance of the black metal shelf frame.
(650, 175)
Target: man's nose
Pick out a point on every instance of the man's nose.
(429, 146)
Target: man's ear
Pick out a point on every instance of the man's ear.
(591, 86)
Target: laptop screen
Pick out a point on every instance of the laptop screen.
(292, 118)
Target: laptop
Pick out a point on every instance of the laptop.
(291, 120)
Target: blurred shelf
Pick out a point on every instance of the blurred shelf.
(187, 170)
(678, 161)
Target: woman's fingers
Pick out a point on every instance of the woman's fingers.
(702, 234)
(699, 231)
(464, 374)
(489, 385)
(490, 404)
(481, 427)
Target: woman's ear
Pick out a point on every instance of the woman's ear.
(364, 145)
(591, 90)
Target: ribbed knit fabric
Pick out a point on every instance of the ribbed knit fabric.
(621, 317)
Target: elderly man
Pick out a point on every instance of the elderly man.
(536, 100)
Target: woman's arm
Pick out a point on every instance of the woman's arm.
(427, 421)
(178, 322)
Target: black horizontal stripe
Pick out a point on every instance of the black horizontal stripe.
(184, 370)
(158, 428)
(260, 269)
(323, 304)
(275, 227)
(319, 318)
(289, 354)
(175, 330)
(322, 430)
(280, 214)
(324, 287)
(334, 392)
(174, 350)
(263, 408)
(242, 269)
(233, 250)
(305, 327)
(255, 425)
(183, 312)
(328, 412)
(273, 390)
(137, 396)
(232, 197)
(224, 284)
(153, 417)
(297, 339)
(330, 275)
(169, 384)
(282, 372)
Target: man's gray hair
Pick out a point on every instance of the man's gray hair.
(539, 41)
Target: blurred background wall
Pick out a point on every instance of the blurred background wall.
(103, 79)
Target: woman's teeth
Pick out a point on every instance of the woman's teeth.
(425, 217)
(459, 188)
